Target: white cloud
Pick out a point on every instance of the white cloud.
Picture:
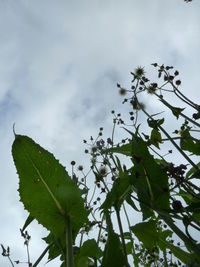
(59, 65)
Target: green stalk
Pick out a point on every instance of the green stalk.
(121, 233)
(99, 234)
(129, 226)
(42, 255)
(10, 261)
(69, 244)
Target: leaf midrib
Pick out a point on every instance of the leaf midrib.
(61, 210)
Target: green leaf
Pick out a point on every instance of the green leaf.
(175, 110)
(188, 198)
(113, 255)
(187, 143)
(162, 237)
(193, 172)
(178, 252)
(155, 123)
(27, 222)
(149, 179)
(131, 203)
(82, 262)
(119, 167)
(45, 187)
(155, 138)
(57, 248)
(121, 188)
(129, 248)
(146, 232)
(124, 149)
(90, 249)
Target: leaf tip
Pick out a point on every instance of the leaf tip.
(14, 130)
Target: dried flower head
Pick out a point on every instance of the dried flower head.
(94, 149)
(139, 72)
(137, 105)
(103, 171)
(178, 82)
(122, 91)
(152, 88)
(80, 168)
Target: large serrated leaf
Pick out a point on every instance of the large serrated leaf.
(45, 188)
(149, 179)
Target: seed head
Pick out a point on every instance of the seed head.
(122, 91)
(73, 162)
(103, 171)
(80, 168)
(178, 82)
(139, 72)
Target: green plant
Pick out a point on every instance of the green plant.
(126, 177)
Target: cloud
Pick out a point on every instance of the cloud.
(59, 65)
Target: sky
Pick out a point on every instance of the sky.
(60, 62)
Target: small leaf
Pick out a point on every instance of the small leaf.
(155, 138)
(175, 110)
(155, 123)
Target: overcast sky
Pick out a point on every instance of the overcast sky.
(59, 64)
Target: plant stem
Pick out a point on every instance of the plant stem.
(10, 261)
(101, 226)
(121, 233)
(42, 255)
(69, 245)
(129, 226)
(28, 254)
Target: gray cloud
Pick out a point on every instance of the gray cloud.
(59, 65)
